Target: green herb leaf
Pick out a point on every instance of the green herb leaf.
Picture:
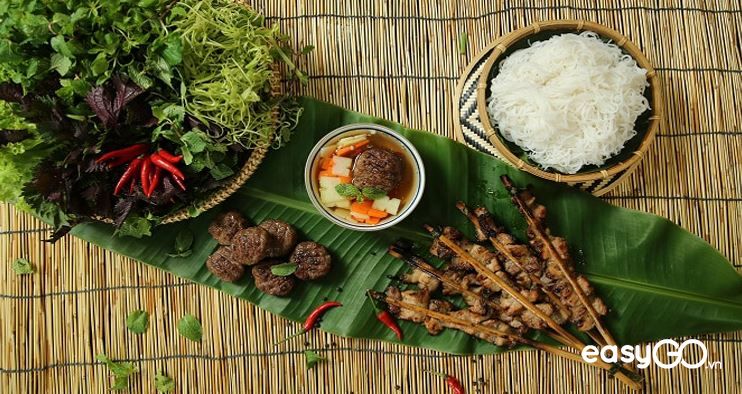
(190, 327)
(61, 46)
(284, 269)
(307, 49)
(23, 267)
(463, 42)
(135, 226)
(137, 321)
(173, 52)
(121, 371)
(184, 240)
(373, 193)
(99, 65)
(61, 63)
(164, 383)
(348, 190)
(312, 358)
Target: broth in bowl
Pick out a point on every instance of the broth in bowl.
(365, 177)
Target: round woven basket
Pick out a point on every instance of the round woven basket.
(615, 168)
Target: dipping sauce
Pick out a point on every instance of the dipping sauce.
(364, 177)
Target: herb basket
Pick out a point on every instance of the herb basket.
(248, 168)
(595, 179)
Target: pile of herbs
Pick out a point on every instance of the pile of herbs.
(82, 78)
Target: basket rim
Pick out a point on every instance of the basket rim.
(657, 109)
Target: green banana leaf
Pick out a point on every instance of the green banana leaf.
(659, 280)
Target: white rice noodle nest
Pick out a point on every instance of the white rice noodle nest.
(568, 102)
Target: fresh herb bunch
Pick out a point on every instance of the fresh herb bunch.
(92, 77)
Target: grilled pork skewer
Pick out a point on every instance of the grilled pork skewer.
(489, 232)
(542, 241)
(507, 287)
(474, 300)
(394, 298)
(458, 267)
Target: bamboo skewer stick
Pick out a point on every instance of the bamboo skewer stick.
(493, 331)
(483, 270)
(428, 269)
(546, 240)
(505, 252)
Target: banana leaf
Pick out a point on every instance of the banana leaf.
(658, 280)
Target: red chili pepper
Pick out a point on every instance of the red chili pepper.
(386, 318)
(451, 382)
(145, 174)
(313, 318)
(155, 181)
(389, 321)
(117, 162)
(178, 182)
(128, 174)
(125, 153)
(169, 156)
(167, 166)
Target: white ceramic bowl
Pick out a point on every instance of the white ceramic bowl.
(313, 186)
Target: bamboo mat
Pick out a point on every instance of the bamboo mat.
(398, 60)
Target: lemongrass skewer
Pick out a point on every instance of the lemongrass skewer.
(493, 331)
(483, 270)
(422, 265)
(505, 252)
(546, 241)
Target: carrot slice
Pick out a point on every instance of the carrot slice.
(326, 163)
(351, 149)
(345, 179)
(377, 213)
(344, 151)
(325, 173)
(360, 144)
(373, 220)
(361, 207)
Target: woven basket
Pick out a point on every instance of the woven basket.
(603, 178)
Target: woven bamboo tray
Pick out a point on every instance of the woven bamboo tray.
(475, 81)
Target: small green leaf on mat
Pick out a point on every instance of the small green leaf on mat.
(190, 327)
(23, 267)
(164, 383)
(312, 358)
(307, 49)
(284, 269)
(183, 243)
(137, 321)
(463, 42)
(373, 193)
(120, 371)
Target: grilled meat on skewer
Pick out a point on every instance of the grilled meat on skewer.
(455, 282)
(525, 286)
(554, 277)
(421, 298)
(518, 259)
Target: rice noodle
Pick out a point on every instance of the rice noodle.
(569, 102)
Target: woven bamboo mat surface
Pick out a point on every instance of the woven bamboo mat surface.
(400, 61)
